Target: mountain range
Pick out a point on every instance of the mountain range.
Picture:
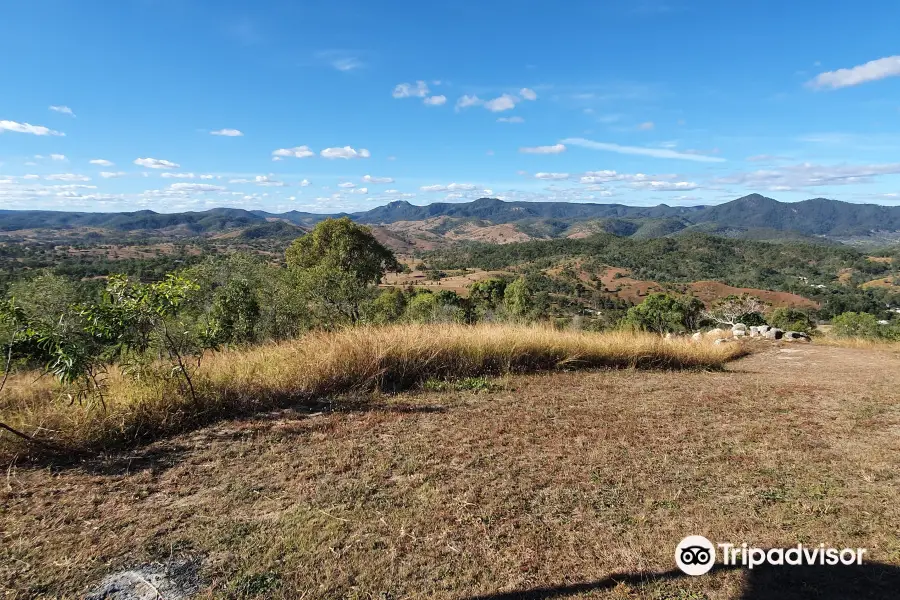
(754, 216)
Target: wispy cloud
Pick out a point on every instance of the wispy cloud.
(156, 163)
(227, 132)
(640, 150)
(63, 109)
(510, 120)
(408, 90)
(101, 162)
(874, 70)
(554, 149)
(27, 128)
(435, 100)
(810, 175)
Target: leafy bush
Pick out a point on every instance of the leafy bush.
(662, 313)
(791, 319)
(853, 324)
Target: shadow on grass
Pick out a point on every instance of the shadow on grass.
(164, 454)
(872, 581)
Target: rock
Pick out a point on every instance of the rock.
(754, 331)
(797, 336)
(738, 332)
(717, 333)
(178, 580)
(740, 326)
(697, 336)
(762, 329)
(721, 341)
(774, 334)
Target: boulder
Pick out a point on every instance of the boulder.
(738, 332)
(717, 333)
(754, 331)
(774, 334)
(697, 336)
(737, 326)
(796, 336)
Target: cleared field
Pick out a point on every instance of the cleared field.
(560, 485)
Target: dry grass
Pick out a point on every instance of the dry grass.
(322, 365)
(858, 343)
(581, 483)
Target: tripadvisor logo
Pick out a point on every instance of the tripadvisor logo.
(696, 555)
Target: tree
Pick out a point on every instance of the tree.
(791, 319)
(387, 307)
(733, 309)
(336, 265)
(517, 298)
(662, 313)
(852, 324)
(235, 314)
(345, 246)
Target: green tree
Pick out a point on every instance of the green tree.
(336, 265)
(853, 324)
(342, 245)
(235, 314)
(387, 307)
(517, 298)
(662, 313)
(791, 319)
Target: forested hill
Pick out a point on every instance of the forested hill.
(752, 216)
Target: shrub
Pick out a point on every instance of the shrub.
(791, 319)
(853, 324)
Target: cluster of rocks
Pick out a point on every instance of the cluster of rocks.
(739, 330)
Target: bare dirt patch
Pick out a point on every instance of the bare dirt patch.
(564, 485)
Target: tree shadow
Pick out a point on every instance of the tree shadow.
(166, 453)
(869, 581)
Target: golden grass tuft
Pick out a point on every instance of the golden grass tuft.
(324, 364)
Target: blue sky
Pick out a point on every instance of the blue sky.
(326, 106)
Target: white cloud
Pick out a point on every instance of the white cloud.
(196, 187)
(528, 94)
(607, 176)
(67, 177)
(261, 180)
(810, 175)
(406, 90)
(874, 70)
(100, 162)
(27, 128)
(359, 191)
(346, 152)
(295, 152)
(435, 100)
(453, 187)
(156, 163)
(510, 120)
(467, 101)
(551, 176)
(347, 64)
(640, 150)
(304, 183)
(346, 185)
(665, 186)
(209, 177)
(228, 132)
(111, 174)
(370, 179)
(60, 157)
(646, 126)
(504, 102)
(63, 109)
(168, 175)
(31, 177)
(555, 149)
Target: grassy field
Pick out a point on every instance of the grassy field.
(554, 485)
(312, 370)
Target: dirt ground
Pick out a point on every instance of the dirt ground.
(545, 486)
